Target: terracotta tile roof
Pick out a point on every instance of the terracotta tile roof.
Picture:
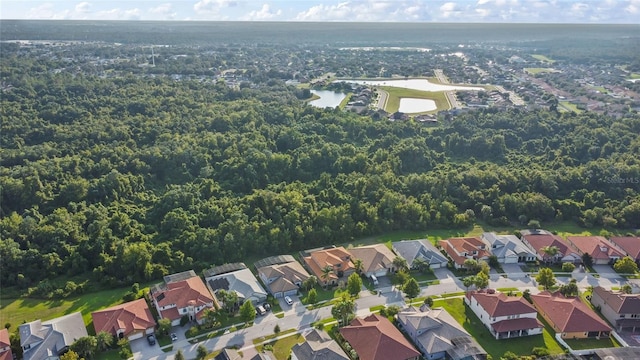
(539, 241)
(630, 244)
(457, 247)
(128, 317)
(620, 303)
(374, 257)
(191, 291)
(516, 324)
(568, 314)
(499, 304)
(597, 246)
(332, 257)
(375, 338)
(5, 341)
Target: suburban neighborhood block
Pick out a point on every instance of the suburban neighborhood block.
(131, 320)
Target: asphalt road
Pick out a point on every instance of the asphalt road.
(299, 318)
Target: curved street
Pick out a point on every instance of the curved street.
(299, 318)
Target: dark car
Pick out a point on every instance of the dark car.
(174, 337)
(151, 339)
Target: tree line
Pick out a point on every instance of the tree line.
(133, 178)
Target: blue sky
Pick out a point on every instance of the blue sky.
(517, 11)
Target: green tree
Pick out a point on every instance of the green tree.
(247, 312)
(326, 274)
(550, 252)
(471, 265)
(164, 326)
(276, 329)
(343, 309)
(104, 340)
(428, 301)
(400, 278)
(179, 355)
(399, 263)
(354, 284)
(467, 281)
(546, 278)
(312, 296)
(420, 264)
(411, 289)
(229, 300)
(570, 289)
(85, 346)
(358, 265)
(70, 355)
(587, 260)
(533, 224)
(626, 289)
(493, 262)
(568, 267)
(310, 282)
(626, 265)
(202, 352)
(481, 280)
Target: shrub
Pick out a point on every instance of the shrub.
(568, 267)
(540, 351)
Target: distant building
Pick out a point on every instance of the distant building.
(538, 239)
(242, 282)
(336, 258)
(283, 279)
(5, 345)
(131, 320)
(318, 345)
(182, 294)
(410, 250)
(461, 249)
(508, 248)
(504, 316)
(602, 251)
(375, 338)
(622, 310)
(376, 259)
(630, 245)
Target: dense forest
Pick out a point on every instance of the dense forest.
(133, 178)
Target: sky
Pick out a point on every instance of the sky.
(490, 11)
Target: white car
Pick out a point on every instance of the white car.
(288, 300)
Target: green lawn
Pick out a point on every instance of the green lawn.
(496, 348)
(570, 107)
(113, 354)
(17, 311)
(543, 58)
(282, 347)
(582, 344)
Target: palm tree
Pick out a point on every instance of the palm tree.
(420, 264)
(310, 282)
(358, 265)
(104, 339)
(550, 251)
(399, 263)
(326, 273)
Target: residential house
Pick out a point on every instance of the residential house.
(5, 345)
(375, 338)
(377, 260)
(438, 335)
(602, 251)
(131, 320)
(505, 316)
(283, 279)
(508, 248)
(629, 244)
(182, 294)
(410, 250)
(622, 310)
(538, 240)
(570, 317)
(233, 354)
(43, 340)
(241, 281)
(337, 259)
(318, 345)
(461, 249)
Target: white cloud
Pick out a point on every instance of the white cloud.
(213, 6)
(118, 14)
(83, 8)
(264, 13)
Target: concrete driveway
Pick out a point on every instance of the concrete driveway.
(605, 270)
(142, 350)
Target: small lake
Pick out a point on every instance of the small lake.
(413, 105)
(327, 99)
(415, 84)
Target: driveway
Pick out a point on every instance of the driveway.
(606, 271)
(142, 350)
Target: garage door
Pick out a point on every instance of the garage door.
(381, 273)
(135, 336)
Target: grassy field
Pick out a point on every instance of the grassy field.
(634, 76)
(16, 311)
(570, 107)
(496, 348)
(534, 71)
(582, 344)
(543, 58)
(395, 94)
(345, 101)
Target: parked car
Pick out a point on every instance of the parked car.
(151, 339)
(288, 300)
(261, 310)
(267, 306)
(174, 337)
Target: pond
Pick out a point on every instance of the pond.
(414, 105)
(327, 99)
(415, 84)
